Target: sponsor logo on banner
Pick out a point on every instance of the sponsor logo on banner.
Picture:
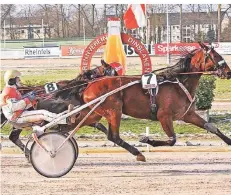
(175, 48)
(31, 52)
(77, 50)
(222, 47)
(131, 52)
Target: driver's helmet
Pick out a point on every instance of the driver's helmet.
(11, 74)
(117, 67)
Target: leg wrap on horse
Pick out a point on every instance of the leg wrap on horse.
(14, 137)
(100, 127)
(155, 143)
(117, 140)
(209, 127)
(172, 140)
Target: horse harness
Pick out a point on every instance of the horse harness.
(153, 91)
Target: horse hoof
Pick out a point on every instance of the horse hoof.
(144, 139)
(141, 157)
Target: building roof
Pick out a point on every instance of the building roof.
(188, 18)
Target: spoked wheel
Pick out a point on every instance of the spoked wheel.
(53, 165)
(75, 144)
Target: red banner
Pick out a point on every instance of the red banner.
(175, 48)
(77, 50)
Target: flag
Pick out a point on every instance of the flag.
(135, 17)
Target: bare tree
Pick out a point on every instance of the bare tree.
(5, 11)
(46, 12)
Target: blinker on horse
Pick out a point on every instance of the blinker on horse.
(172, 100)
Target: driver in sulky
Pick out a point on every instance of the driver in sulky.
(15, 106)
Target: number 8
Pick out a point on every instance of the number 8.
(50, 87)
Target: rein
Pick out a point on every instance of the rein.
(205, 73)
(44, 95)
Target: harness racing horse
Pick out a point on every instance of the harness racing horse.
(175, 99)
(58, 102)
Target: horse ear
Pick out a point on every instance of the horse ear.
(203, 46)
(104, 63)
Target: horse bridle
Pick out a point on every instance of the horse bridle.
(218, 65)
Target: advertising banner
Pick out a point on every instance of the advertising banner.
(175, 48)
(223, 47)
(77, 50)
(33, 52)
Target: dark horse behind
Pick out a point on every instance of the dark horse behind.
(69, 93)
(175, 99)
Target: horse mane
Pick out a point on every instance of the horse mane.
(83, 75)
(183, 65)
(71, 88)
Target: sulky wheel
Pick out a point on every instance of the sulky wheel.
(53, 165)
(75, 144)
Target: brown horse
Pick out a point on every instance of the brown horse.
(173, 101)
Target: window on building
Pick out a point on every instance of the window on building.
(178, 37)
(38, 31)
(22, 31)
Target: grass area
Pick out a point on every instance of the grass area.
(223, 89)
(138, 126)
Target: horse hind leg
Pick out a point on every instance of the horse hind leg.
(113, 136)
(100, 127)
(195, 119)
(113, 116)
(167, 125)
(14, 137)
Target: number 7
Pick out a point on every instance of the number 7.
(149, 79)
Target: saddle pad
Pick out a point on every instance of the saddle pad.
(149, 81)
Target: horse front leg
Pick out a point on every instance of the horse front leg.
(195, 119)
(167, 125)
(113, 115)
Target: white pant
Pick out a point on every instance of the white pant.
(38, 115)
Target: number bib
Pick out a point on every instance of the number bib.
(149, 81)
(51, 87)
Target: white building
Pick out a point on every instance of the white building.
(22, 28)
(195, 26)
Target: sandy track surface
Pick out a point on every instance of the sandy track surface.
(164, 173)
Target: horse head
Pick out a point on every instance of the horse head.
(100, 71)
(207, 59)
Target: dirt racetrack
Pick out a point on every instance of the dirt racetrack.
(189, 173)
